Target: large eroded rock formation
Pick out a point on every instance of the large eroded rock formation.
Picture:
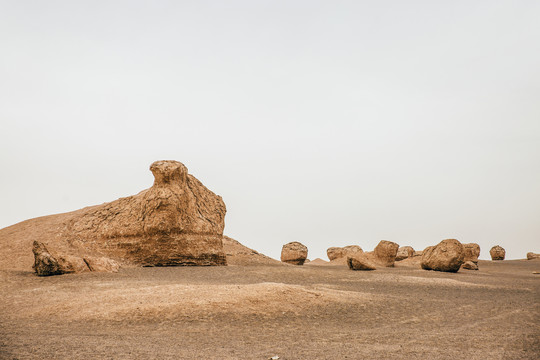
(177, 221)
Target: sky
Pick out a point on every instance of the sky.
(330, 123)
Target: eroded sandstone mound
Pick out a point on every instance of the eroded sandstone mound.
(177, 221)
(404, 252)
(446, 256)
(497, 253)
(294, 253)
(532, 256)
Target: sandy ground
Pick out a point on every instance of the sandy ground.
(256, 312)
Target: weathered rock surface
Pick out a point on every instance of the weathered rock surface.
(360, 261)
(446, 256)
(45, 264)
(101, 264)
(497, 253)
(532, 256)
(385, 253)
(469, 265)
(335, 253)
(294, 253)
(404, 252)
(177, 221)
(472, 252)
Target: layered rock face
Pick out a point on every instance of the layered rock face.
(360, 261)
(446, 256)
(177, 221)
(404, 252)
(472, 252)
(335, 253)
(497, 253)
(294, 253)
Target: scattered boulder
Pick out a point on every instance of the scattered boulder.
(472, 252)
(385, 253)
(404, 252)
(532, 256)
(360, 261)
(335, 253)
(446, 256)
(469, 265)
(46, 264)
(294, 253)
(101, 264)
(497, 253)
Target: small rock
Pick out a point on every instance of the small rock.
(385, 253)
(497, 253)
(446, 256)
(469, 265)
(359, 261)
(294, 253)
(404, 252)
(472, 252)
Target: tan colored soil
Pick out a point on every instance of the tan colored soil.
(256, 312)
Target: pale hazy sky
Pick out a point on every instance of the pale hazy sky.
(325, 122)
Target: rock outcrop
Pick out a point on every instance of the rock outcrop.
(335, 253)
(472, 252)
(532, 256)
(360, 261)
(177, 221)
(404, 252)
(294, 253)
(497, 253)
(446, 256)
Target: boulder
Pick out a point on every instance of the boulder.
(446, 256)
(46, 264)
(497, 253)
(469, 265)
(385, 253)
(404, 252)
(101, 264)
(472, 252)
(532, 256)
(335, 253)
(360, 261)
(294, 253)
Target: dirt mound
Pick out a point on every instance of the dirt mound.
(238, 254)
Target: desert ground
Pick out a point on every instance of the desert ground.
(263, 311)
